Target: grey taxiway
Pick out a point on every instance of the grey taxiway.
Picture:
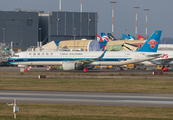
(87, 98)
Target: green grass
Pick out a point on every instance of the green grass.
(91, 85)
(84, 112)
(96, 73)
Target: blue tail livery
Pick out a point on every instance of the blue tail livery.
(131, 37)
(125, 37)
(151, 45)
(111, 37)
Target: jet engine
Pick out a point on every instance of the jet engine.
(69, 66)
(22, 66)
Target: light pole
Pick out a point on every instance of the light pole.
(81, 6)
(112, 16)
(146, 22)
(136, 24)
(3, 35)
(74, 36)
(60, 5)
(40, 34)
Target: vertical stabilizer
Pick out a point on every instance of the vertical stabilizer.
(151, 45)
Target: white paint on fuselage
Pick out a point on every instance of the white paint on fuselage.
(121, 56)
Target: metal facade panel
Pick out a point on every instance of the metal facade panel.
(43, 24)
(69, 23)
(61, 23)
(28, 26)
(84, 23)
(13, 32)
(77, 23)
(53, 23)
(92, 22)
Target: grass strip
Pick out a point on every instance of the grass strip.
(84, 112)
(90, 85)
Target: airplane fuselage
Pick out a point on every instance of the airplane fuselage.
(58, 57)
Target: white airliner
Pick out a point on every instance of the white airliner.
(167, 59)
(72, 59)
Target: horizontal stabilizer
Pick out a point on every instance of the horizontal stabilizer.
(155, 55)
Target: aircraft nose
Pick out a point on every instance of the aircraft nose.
(10, 59)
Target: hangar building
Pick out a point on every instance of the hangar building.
(25, 28)
(67, 26)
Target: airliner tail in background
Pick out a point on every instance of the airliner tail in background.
(111, 37)
(151, 45)
(140, 37)
(104, 37)
(131, 37)
(99, 39)
(125, 37)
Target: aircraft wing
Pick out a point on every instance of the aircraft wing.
(86, 61)
(166, 59)
(155, 55)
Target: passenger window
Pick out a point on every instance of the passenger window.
(16, 55)
(38, 53)
(29, 53)
(34, 53)
(42, 53)
(47, 53)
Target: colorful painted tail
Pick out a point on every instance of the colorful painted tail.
(125, 37)
(99, 39)
(104, 37)
(140, 37)
(151, 45)
(131, 37)
(111, 37)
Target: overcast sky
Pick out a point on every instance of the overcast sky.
(160, 15)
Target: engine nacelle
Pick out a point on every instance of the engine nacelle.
(22, 66)
(69, 66)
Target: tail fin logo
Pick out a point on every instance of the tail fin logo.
(111, 38)
(105, 38)
(152, 43)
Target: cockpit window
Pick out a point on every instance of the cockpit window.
(16, 56)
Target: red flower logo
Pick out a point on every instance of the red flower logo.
(152, 43)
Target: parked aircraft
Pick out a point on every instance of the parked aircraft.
(167, 59)
(111, 37)
(70, 60)
(140, 37)
(130, 36)
(104, 37)
(99, 39)
(125, 37)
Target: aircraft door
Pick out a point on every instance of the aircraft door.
(136, 57)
